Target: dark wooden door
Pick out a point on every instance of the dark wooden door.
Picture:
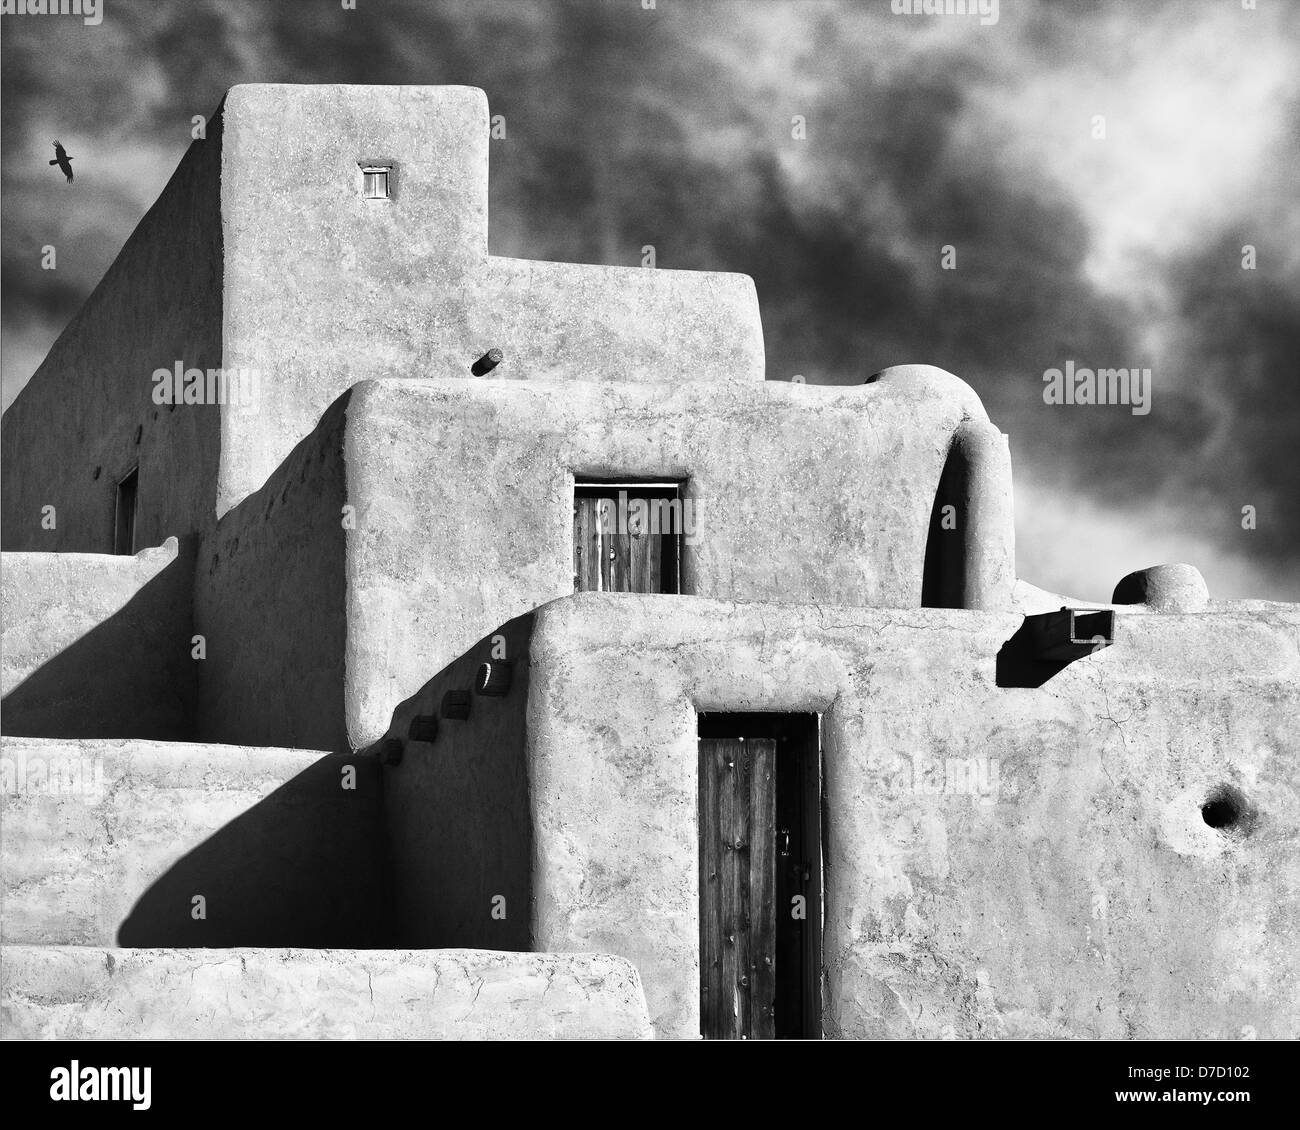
(738, 888)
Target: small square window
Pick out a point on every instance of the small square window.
(627, 536)
(374, 181)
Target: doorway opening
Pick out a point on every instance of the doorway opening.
(124, 523)
(943, 576)
(760, 820)
(970, 552)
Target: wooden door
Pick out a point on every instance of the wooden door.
(737, 888)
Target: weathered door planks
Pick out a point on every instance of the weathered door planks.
(737, 888)
(588, 571)
(607, 558)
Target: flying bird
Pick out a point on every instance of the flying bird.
(62, 159)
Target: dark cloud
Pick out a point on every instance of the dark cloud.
(673, 128)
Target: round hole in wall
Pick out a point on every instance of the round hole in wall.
(1227, 810)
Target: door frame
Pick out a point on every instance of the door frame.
(798, 734)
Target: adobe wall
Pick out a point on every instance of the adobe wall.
(93, 993)
(269, 599)
(98, 645)
(463, 491)
(108, 843)
(1070, 889)
(324, 288)
(456, 809)
(261, 254)
(87, 416)
(577, 321)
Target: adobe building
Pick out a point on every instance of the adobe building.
(404, 620)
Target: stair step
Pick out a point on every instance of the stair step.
(99, 993)
(112, 842)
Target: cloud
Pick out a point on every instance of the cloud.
(1086, 545)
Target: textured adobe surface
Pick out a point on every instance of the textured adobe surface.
(1165, 588)
(463, 492)
(405, 287)
(269, 597)
(1071, 887)
(97, 645)
(109, 842)
(93, 993)
(456, 809)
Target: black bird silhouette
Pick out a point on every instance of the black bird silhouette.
(62, 159)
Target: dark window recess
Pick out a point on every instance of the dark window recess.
(627, 537)
(124, 530)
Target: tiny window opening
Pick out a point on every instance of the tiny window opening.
(375, 181)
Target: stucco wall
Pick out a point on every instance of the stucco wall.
(269, 601)
(405, 287)
(456, 810)
(85, 993)
(464, 502)
(87, 416)
(109, 842)
(1082, 895)
(97, 645)
(575, 321)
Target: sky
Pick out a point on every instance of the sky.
(1094, 169)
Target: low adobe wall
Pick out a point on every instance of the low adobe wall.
(1002, 862)
(109, 843)
(270, 599)
(93, 993)
(97, 645)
